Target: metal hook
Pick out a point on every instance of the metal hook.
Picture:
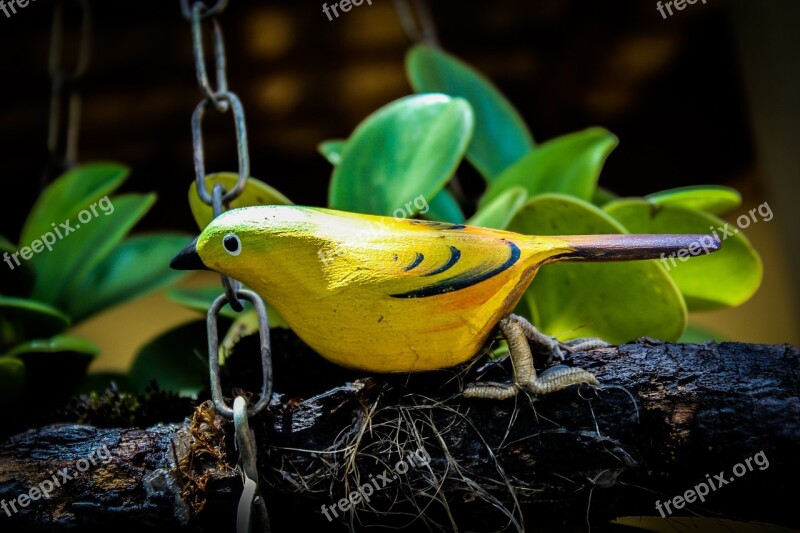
(246, 444)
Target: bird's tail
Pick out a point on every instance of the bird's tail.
(632, 247)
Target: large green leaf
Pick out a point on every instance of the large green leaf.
(444, 208)
(569, 164)
(255, 193)
(201, 298)
(501, 137)
(136, 267)
(177, 360)
(499, 212)
(615, 301)
(22, 319)
(406, 149)
(18, 281)
(56, 365)
(726, 278)
(68, 195)
(332, 150)
(714, 199)
(12, 384)
(59, 271)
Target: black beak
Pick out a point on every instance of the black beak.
(188, 259)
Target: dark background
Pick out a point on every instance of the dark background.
(707, 96)
(670, 89)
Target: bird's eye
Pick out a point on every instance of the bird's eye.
(232, 244)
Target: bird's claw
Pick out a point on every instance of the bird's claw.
(521, 335)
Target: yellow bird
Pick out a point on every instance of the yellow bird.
(383, 294)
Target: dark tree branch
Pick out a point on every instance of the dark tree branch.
(702, 409)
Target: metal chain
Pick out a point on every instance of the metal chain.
(62, 142)
(223, 100)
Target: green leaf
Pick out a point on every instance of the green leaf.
(137, 266)
(501, 137)
(602, 196)
(56, 365)
(18, 281)
(57, 345)
(59, 271)
(714, 199)
(22, 319)
(569, 164)
(726, 278)
(68, 195)
(255, 193)
(201, 298)
(444, 208)
(406, 149)
(697, 335)
(12, 383)
(615, 301)
(499, 212)
(177, 360)
(332, 150)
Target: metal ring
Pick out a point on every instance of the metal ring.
(213, 354)
(241, 148)
(200, 59)
(216, 9)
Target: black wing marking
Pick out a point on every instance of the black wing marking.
(463, 280)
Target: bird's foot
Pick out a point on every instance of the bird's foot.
(553, 379)
(519, 332)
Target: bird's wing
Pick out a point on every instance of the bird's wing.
(416, 259)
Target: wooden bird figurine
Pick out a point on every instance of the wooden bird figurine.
(384, 294)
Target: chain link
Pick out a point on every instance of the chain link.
(213, 354)
(241, 146)
(200, 59)
(222, 100)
